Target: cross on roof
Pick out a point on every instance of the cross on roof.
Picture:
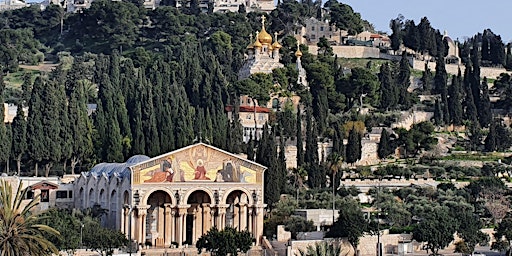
(263, 18)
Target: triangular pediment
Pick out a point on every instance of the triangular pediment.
(198, 163)
(44, 185)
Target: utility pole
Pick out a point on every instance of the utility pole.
(379, 251)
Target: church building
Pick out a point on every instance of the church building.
(176, 197)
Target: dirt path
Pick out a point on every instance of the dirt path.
(45, 67)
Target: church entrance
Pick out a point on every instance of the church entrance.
(199, 217)
(237, 214)
(157, 220)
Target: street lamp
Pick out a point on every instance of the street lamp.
(130, 243)
(81, 234)
(379, 250)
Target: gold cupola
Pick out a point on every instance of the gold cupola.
(257, 44)
(276, 45)
(263, 36)
(298, 53)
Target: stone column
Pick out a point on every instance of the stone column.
(167, 224)
(142, 211)
(249, 226)
(125, 220)
(243, 216)
(212, 217)
(258, 223)
(173, 226)
(196, 228)
(182, 224)
(221, 218)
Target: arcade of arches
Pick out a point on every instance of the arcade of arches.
(163, 222)
(176, 197)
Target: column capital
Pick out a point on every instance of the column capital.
(142, 209)
(260, 208)
(182, 209)
(168, 209)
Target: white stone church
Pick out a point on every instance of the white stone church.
(176, 197)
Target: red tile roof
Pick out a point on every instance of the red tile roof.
(244, 109)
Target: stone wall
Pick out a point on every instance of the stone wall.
(454, 69)
(345, 51)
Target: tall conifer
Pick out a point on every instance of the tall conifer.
(19, 136)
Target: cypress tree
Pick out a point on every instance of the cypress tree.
(387, 85)
(485, 115)
(150, 131)
(353, 147)
(26, 87)
(35, 130)
(440, 81)
(250, 148)
(454, 100)
(4, 150)
(267, 155)
(490, 140)
(438, 113)
(80, 126)
(137, 126)
(508, 58)
(300, 147)
(403, 82)
(311, 154)
(426, 79)
(164, 120)
(110, 141)
(384, 149)
(281, 161)
(53, 112)
(19, 136)
(469, 103)
(474, 75)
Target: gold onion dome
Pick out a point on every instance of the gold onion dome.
(264, 37)
(276, 45)
(257, 44)
(298, 53)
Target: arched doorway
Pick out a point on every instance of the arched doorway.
(236, 212)
(81, 197)
(92, 200)
(113, 223)
(157, 221)
(199, 216)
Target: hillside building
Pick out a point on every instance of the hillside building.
(177, 197)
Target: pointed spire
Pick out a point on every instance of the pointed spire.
(298, 53)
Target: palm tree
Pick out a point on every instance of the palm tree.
(21, 233)
(335, 163)
(322, 249)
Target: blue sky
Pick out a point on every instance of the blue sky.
(459, 18)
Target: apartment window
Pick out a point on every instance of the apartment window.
(313, 37)
(248, 117)
(70, 194)
(45, 196)
(30, 194)
(313, 28)
(321, 28)
(62, 194)
(261, 117)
